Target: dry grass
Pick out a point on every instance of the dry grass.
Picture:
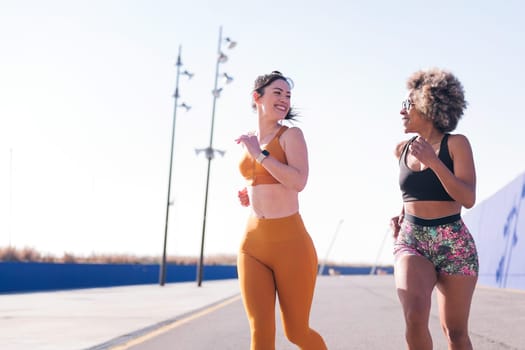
(28, 254)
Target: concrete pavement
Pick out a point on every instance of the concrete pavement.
(100, 317)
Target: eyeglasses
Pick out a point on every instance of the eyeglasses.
(406, 104)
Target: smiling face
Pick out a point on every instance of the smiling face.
(275, 100)
(413, 120)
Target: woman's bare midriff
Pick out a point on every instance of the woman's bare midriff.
(273, 201)
(432, 209)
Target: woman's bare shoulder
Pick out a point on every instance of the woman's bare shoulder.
(399, 148)
(293, 133)
(459, 144)
(458, 139)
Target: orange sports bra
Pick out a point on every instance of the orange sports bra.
(254, 173)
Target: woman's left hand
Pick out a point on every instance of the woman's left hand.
(244, 198)
(423, 151)
(395, 225)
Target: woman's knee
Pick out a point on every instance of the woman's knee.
(416, 320)
(456, 335)
(416, 314)
(297, 336)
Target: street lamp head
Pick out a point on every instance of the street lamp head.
(227, 78)
(185, 106)
(222, 58)
(231, 43)
(217, 92)
(209, 152)
(188, 74)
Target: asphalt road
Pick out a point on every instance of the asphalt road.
(350, 312)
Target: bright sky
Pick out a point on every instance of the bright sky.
(86, 109)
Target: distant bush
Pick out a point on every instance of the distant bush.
(14, 254)
(27, 254)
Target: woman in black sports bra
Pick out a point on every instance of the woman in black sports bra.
(433, 247)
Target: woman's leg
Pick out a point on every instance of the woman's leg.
(458, 271)
(295, 274)
(258, 292)
(415, 278)
(454, 294)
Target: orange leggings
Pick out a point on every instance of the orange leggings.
(277, 256)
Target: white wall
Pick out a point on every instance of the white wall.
(498, 227)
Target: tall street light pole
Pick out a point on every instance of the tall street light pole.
(169, 202)
(209, 152)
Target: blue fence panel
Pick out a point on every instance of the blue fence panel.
(30, 277)
(16, 277)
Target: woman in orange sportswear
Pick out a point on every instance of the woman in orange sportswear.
(277, 256)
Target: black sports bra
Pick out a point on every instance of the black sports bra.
(424, 185)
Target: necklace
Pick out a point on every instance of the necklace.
(436, 142)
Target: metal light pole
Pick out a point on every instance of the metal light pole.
(176, 95)
(209, 152)
(321, 268)
(10, 194)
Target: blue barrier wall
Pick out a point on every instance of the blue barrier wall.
(498, 227)
(16, 277)
(356, 270)
(30, 277)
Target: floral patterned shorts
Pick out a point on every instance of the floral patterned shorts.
(445, 242)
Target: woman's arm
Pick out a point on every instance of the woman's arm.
(293, 175)
(460, 185)
(395, 223)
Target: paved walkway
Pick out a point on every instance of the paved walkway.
(347, 309)
(85, 318)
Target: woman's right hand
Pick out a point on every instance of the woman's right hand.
(243, 197)
(251, 143)
(395, 225)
